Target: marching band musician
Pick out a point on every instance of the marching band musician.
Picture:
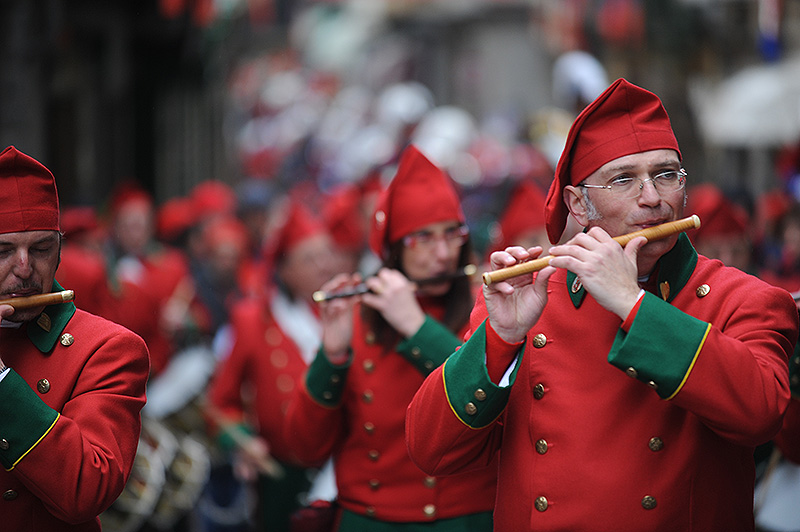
(376, 350)
(275, 334)
(72, 384)
(625, 388)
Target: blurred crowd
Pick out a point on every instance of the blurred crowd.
(189, 272)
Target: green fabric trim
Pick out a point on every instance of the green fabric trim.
(225, 439)
(661, 345)
(465, 377)
(430, 346)
(477, 522)
(325, 381)
(26, 418)
(58, 316)
(675, 268)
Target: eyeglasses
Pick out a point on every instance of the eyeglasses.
(625, 186)
(453, 237)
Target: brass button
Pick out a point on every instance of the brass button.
(470, 408)
(539, 341)
(285, 383)
(656, 444)
(369, 365)
(540, 503)
(430, 482)
(648, 502)
(370, 511)
(335, 378)
(374, 455)
(538, 391)
(370, 338)
(480, 395)
(369, 427)
(541, 446)
(380, 217)
(67, 339)
(415, 352)
(703, 290)
(429, 510)
(327, 395)
(653, 385)
(632, 373)
(273, 336)
(9, 495)
(367, 396)
(4, 444)
(279, 358)
(428, 364)
(374, 484)
(43, 385)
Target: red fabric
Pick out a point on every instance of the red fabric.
(525, 211)
(28, 197)
(598, 422)
(300, 223)
(625, 119)
(718, 215)
(98, 386)
(379, 385)
(175, 217)
(265, 358)
(213, 197)
(499, 354)
(420, 194)
(788, 439)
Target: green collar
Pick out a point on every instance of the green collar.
(674, 270)
(46, 330)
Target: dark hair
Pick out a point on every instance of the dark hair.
(458, 300)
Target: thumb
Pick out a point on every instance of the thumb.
(633, 247)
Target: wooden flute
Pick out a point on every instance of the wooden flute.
(39, 300)
(656, 232)
(321, 295)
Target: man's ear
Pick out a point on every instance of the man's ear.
(575, 202)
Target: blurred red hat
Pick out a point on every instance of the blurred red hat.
(420, 194)
(128, 193)
(175, 216)
(342, 215)
(718, 215)
(524, 212)
(226, 230)
(28, 195)
(77, 219)
(213, 197)
(300, 224)
(625, 119)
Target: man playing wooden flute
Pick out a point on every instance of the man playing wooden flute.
(71, 383)
(625, 388)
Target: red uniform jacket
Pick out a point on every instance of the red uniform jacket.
(356, 413)
(69, 419)
(602, 429)
(265, 360)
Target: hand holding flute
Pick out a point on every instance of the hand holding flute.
(608, 272)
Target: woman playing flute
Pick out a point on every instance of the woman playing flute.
(377, 348)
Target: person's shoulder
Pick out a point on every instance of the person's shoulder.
(98, 325)
(736, 281)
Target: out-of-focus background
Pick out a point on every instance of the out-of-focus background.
(158, 115)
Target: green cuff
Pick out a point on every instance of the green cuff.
(26, 419)
(472, 396)
(325, 381)
(661, 346)
(429, 347)
(226, 439)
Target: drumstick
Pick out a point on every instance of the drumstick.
(657, 232)
(39, 300)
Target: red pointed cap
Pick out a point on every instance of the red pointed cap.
(420, 194)
(28, 196)
(625, 119)
(525, 211)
